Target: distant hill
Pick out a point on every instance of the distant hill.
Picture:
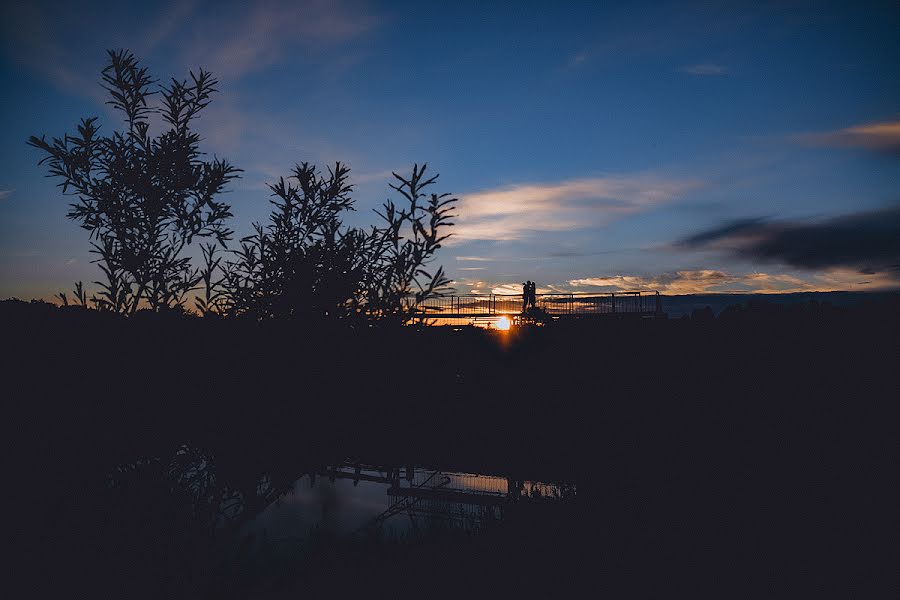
(677, 306)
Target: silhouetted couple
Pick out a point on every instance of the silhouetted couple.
(529, 295)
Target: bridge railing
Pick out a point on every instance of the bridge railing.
(601, 304)
(557, 304)
(466, 305)
(481, 485)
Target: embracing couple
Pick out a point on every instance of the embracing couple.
(529, 295)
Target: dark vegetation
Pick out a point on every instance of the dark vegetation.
(142, 198)
(742, 453)
(746, 452)
(146, 199)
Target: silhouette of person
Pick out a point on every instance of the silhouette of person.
(532, 294)
(526, 290)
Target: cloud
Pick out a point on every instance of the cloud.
(704, 69)
(171, 20)
(577, 60)
(866, 241)
(516, 211)
(231, 39)
(259, 35)
(879, 137)
(731, 229)
(268, 145)
(384, 175)
(701, 281)
(690, 282)
(4, 194)
(508, 289)
(706, 281)
(33, 39)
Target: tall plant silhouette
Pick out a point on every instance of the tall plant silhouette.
(398, 250)
(301, 263)
(144, 199)
(306, 262)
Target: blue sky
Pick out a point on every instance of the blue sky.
(592, 147)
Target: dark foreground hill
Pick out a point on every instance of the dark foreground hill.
(749, 454)
(679, 305)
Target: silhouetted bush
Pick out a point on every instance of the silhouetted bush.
(306, 263)
(143, 198)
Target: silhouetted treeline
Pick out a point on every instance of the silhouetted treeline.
(736, 445)
(145, 199)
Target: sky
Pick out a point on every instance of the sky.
(680, 147)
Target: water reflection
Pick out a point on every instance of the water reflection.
(235, 528)
(354, 499)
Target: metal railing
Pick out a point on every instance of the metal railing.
(555, 305)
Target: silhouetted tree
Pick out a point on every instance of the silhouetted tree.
(213, 302)
(143, 198)
(398, 252)
(305, 262)
(80, 295)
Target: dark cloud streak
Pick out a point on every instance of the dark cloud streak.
(867, 241)
(725, 231)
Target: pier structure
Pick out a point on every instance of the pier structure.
(464, 498)
(487, 309)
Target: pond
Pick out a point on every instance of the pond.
(192, 511)
(356, 499)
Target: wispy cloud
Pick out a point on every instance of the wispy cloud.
(578, 59)
(881, 137)
(248, 40)
(172, 19)
(704, 69)
(32, 39)
(699, 281)
(501, 289)
(231, 41)
(703, 281)
(515, 211)
(268, 145)
(714, 281)
(683, 282)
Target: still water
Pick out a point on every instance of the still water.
(264, 533)
(353, 499)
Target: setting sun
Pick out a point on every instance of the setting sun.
(503, 323)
